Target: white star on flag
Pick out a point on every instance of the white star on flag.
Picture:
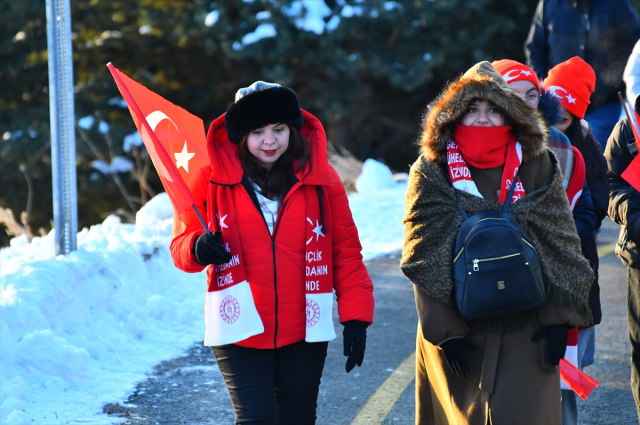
(182, 158)
(527, 73)
(571, 99)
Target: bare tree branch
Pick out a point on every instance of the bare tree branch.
(114, 176)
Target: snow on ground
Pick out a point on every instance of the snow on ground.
(80, 331)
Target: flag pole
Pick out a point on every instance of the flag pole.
(159, 147)
(624, 106)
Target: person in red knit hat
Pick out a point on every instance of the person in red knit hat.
(572, 82)
(520, 78)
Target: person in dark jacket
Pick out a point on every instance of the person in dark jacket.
(571, 82)
(624, 209)
(602, 32)
(524, 80)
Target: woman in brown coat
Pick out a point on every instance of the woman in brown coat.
(490, 371)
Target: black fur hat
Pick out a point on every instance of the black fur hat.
(259, 105)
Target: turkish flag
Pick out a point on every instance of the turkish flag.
(173, 137)
(577, 380)
(632, 173)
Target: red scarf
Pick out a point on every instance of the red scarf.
(576, 184)
(461, 176)
(483, 147)
(225, 311)
(510, 154)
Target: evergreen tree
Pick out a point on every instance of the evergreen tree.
(366, 68)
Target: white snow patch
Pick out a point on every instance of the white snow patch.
(351, 11)
(390, 5)
(80, 331)
(377, 209)
(130, 140)
(262, 31)
(86, 122)
(212, 18)
(308, 14)
(118, 164)
(118, 101)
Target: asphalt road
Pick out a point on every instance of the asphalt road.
(190, 389)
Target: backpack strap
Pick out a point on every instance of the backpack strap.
(507, 202)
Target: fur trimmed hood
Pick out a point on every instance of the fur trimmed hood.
(482, 81)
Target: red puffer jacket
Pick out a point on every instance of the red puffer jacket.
(278, 286)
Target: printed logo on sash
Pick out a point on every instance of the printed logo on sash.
(229, 309)
(313, 313)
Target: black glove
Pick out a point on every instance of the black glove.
(558, 335)
(453, 354)
(208, 250)
(355, 342)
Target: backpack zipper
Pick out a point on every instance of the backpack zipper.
(492, 218)
(458, 255)
(476, 267)
(532, 247)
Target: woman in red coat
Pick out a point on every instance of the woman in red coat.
(281, 240)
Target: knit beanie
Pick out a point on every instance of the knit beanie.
(259, 105)
(572, 81)
(515, 71)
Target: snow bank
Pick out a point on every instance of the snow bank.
(80, 331)
(377, 209)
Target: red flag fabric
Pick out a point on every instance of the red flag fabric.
(579, 381)
(632, 173)
(173, 137)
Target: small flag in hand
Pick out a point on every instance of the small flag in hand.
(577, 380)
(632, 173)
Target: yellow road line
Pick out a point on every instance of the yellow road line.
(607, 249)
(380, 404)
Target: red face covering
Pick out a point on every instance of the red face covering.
(483, 147)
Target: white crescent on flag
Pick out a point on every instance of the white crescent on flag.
(182, 158)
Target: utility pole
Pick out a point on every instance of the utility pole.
(62, 117)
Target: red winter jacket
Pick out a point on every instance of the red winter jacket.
(278, 286)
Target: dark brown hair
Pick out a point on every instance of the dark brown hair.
(276, 182)
(587, 145)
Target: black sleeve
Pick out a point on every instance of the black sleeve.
(599, 188)
(536, 48)
(624, 200)
(584, 217)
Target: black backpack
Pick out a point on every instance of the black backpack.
(496, 269)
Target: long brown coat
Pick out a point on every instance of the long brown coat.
(510, 382)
